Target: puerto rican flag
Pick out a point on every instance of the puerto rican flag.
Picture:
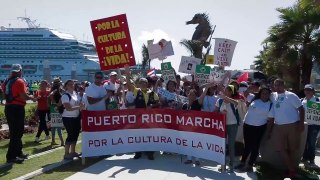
(151, 73)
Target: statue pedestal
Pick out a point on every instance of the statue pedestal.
(272, 157)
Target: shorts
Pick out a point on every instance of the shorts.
(286, 137)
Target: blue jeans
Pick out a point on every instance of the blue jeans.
(309, 150)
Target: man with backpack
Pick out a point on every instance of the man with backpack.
(16, 96)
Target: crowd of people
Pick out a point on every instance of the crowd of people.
(261, 108)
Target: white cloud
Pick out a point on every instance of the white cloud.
(156, 34)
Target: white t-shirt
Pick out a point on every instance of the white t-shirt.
(209, 103)
(231, 118)
(74, 101)
(257, 114)
(95, 91)
(284, 110)
(84, 100)
(304, 103)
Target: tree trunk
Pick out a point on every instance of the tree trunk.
(306, 69)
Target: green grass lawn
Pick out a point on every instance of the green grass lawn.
(16, 170)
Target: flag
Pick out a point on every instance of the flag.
(243, 77)
(151, 73)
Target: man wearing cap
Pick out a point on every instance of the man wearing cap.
(313, 129)
(96, 94)
(286, 124)
(113, 81)
(16, 96)
(145, 98)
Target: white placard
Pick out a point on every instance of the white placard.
(160, 50)
(188, 64)
(223, 51)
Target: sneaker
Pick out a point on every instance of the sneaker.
(75, 154)
(23, 156)
(313, 165)
(16, 160)
(137, 156)
(37, 140)
(68, 157)
(47, 137)
(188, 162)
(240, 166)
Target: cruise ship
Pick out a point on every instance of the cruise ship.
(38, 49)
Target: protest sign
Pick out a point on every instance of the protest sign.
(209, 59)
(168, 73)
(202, 74)
(166, 94)
(223, 51)
(218, 74)
(160, 50)
(112, 38)
(313, 113)
(132, 130)
(56, 118)
(188, 64)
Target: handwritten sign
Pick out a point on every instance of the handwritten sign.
(168, 73)
(223, 51)
(160, 50)
(313, 113)
(188, 64)
(217, 74)
(56, 118)
(112, 38)
(202, 74)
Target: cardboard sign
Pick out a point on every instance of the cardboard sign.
(202, 74)
(217, 74)
(223, 51)
(188, 64)
(209, 59)
(160, 50)
(168, 73)
(194, 133)
(56, 118)
(313, 113)
(112, 38)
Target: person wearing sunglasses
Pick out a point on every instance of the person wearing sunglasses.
(96, 94)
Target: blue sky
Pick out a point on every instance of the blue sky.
(245, 21)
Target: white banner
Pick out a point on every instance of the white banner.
(133, 140)
(188, 64)
(223, 51)
(217, 75)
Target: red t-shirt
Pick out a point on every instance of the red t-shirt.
(43, 99)
(18, 87)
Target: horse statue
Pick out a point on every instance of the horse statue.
(201, 34)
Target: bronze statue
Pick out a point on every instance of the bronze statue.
(201, 34)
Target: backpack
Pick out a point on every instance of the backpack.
(234, 110)
(8, 90)
(317, 99)
(60, 105)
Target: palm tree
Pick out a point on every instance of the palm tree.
(295, 40)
